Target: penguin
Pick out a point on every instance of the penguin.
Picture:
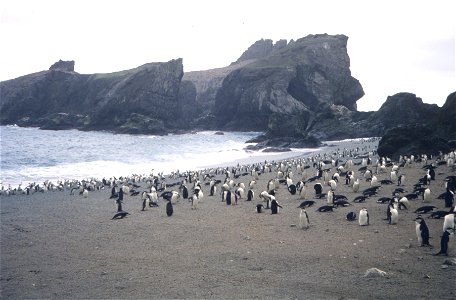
(404, 203)
(363, 219)
(259, 208)
(384, 200)
(332, 184)
(449, 222)
(360, 199)
(330, 197)
(146, 201)
(120, 215)
(394, 217)
(303, 219)
(166, 195)
(425, 209)
(85, 193)
(426, 195)
(302, 191)
(438, 214)
(306, 203)
(356, 186)
(340, 202)
(351, 216)
(250, 195)
(292, 189)
(213, 190)
(239, 192)
(275, 206)
(318, 188)
(400, 179)
(449, 198)
(227, 197)
(325, 208)
(194, 201)
(444, 243)
(174, 196)
(169, 209)
(422, 232)
(184, 192)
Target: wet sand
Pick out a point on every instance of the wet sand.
(57, 245)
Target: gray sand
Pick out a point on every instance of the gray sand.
(57, 245)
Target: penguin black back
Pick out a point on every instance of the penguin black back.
(169, 209)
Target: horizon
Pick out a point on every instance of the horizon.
(393, 47)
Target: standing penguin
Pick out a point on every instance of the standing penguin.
(330, 197)
(394, 216)
(356, 185)
(194, 201)
(444, 243)
(422, 231)
(426, 195)
(303, 219)
(169, 209)
(363, 217)
(449, 221)
(449, 198)
(213, 190)
(275, 206)
(250, 195)
(184, 192)
(227, 197)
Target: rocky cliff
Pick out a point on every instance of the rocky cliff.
(287, 81)
(299, 93)
(140, 100)
(416, 128)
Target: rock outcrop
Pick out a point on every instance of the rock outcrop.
(293, 80)
(298, 93)
(412, 140)
(140, 100)
(431, 130)
(61, 65)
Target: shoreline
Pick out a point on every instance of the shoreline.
(61, 245)
(258, 157)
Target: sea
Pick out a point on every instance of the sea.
(34, 155)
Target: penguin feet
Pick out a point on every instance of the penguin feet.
(440, 253)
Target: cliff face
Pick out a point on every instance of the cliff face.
(290, 80)
(297, 93)
(141, 100)
(416, 128)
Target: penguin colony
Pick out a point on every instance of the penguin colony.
(311, 186)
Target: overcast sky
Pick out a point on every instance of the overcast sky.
(394, 46)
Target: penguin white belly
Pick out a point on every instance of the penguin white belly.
(418, 233)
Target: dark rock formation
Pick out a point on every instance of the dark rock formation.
(141, 100)
(297, 93)
(261, 49)
(411, 140)
(61, 65)
(293, 80)
(429, 130)
(444, 122)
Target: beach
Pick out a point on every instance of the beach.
(62, 246)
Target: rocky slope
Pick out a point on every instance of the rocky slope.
(431, 130)
(140, 100)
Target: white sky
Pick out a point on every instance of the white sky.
(394, 46)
